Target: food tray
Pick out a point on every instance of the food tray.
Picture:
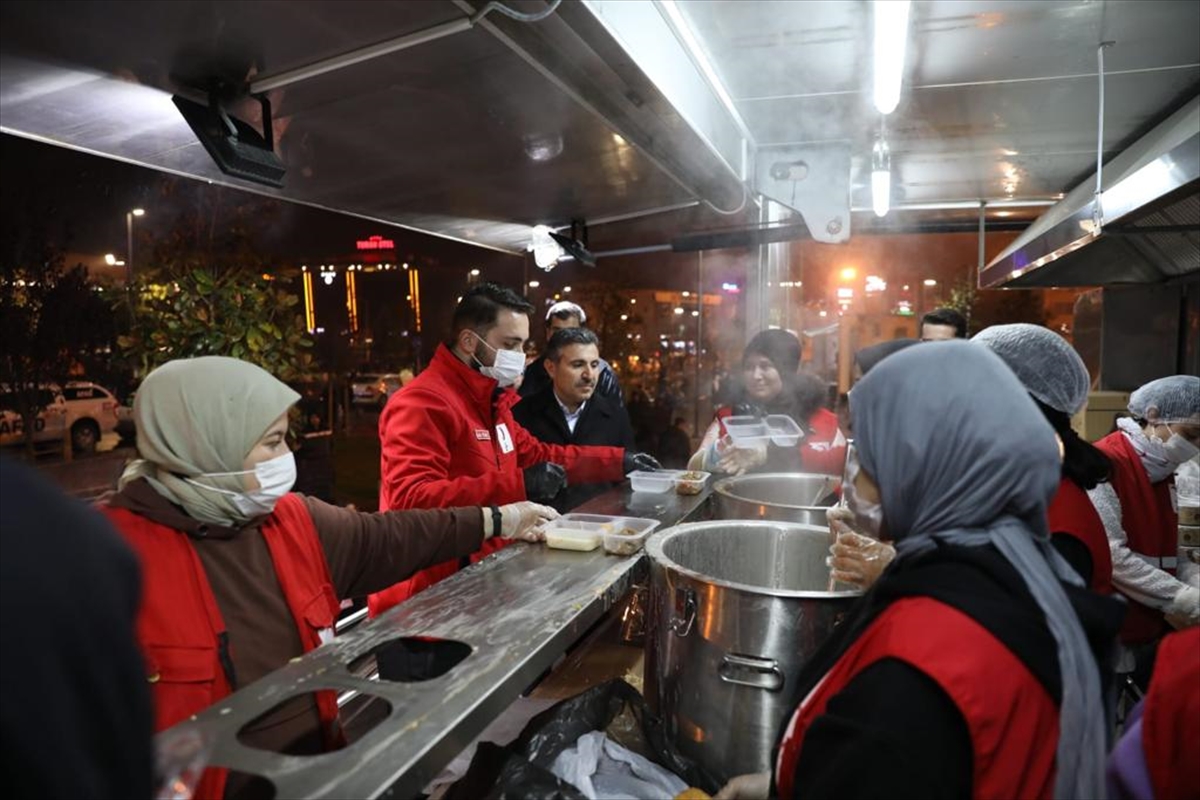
(586, 531)
(747, 431)
(655, 481)
(751, 432)
(784, 430)
(690, 482)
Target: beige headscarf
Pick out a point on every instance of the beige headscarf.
(203, 415)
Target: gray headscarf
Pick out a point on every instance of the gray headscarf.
(203, 415)
(961, 454)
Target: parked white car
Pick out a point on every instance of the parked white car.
(87, 408)
(373, 389)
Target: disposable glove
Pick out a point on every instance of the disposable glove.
(639, 461)
(738, 460)
(543, 481)
(524, 521)
(1184, 610)
(856, 559)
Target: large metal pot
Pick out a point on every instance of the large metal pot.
(736, 609)
(785, 496)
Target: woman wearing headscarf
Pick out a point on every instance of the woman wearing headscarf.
(1136, 508)
(1056, 378)
(772, 383)
(966, 671)
(239, 574)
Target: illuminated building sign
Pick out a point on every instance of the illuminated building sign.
(375, 243)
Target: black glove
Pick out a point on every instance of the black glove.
(639, 461)
(543, 481)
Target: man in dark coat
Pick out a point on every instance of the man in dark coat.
(570, 411)
(566, 314)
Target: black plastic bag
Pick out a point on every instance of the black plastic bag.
(522, 768)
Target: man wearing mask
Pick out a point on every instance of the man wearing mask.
(571, 411)
(560, 316)
(1136, 509)
(450, 434)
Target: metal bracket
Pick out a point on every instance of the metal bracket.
(685, 611)
(814, 181)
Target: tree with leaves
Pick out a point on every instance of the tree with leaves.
(206, 292)
(51, 320)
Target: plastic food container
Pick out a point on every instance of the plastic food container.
(621, 535)
(784, 430)
(747, 431)
(563, 539)
(756, 432)
(657, 482)
(691, 482)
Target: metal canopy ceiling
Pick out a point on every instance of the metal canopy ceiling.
(481, 134)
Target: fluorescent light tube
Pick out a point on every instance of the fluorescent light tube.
(891, 38)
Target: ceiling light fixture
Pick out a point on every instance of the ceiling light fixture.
(891, 38)
(881, 178)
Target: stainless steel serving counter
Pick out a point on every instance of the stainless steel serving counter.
(518, 610)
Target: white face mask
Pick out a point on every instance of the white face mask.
(1160, 459)
(868, 516)
(275, 477)
(508, 366)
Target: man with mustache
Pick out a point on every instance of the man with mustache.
(570, 411)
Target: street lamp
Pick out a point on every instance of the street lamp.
(129, 215)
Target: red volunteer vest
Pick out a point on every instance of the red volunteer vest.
(1072, 513)
(1011, 718)
(180, 628)
(1150, 524)
(1171, 718)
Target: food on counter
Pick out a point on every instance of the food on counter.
(621, 546)
(690, 483)
(692, 793)
(562, 540)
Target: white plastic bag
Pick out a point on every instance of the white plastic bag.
(600, 768)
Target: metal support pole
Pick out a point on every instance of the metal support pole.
(699, 339)
(128, 248)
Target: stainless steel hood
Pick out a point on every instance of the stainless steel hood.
(1148, 213)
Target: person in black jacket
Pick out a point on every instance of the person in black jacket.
(571, 411)
(75, 713)
(562, 315)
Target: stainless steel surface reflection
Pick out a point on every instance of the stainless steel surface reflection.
(785, 496)
(736, 609)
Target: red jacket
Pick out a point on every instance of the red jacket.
(1171, 718)
(1072, 513)
(822, 451)
(449, 439)
(180, 628)
(1012, 719)
(1150, 524)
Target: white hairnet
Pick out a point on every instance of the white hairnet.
(1043, 361)
(1166, 400)
(569, 307)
